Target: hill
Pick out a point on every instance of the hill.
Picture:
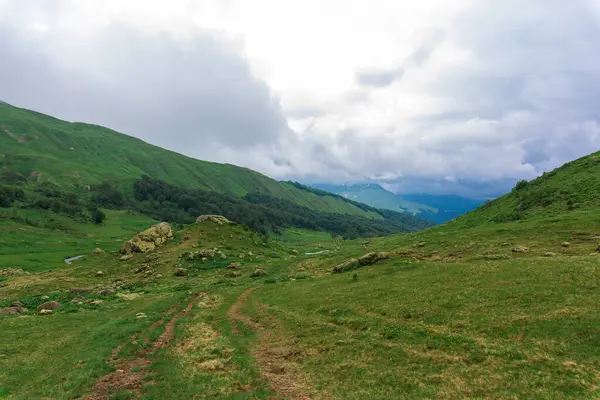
(36, 148)
(573, 186)
(438, 209)
(499, 303)
(48, 163)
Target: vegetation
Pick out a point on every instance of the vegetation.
(475, 308)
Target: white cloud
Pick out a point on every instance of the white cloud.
(463, 96)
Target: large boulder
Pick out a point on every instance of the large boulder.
(149, 239)
(49, 305)
(217, 219)
(372, 258)
(346, 265)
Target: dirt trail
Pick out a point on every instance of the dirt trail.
(129, 373)
(275, 358)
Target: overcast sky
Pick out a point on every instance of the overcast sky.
(463, 96)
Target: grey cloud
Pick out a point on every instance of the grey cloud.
(378, 77)
(191, 96)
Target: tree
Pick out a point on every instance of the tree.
(97, 216)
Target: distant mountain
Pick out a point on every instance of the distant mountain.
(438, 209)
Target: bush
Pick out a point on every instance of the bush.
(97, 216)
(521, 185)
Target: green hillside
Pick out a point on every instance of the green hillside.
(573, 186)
(37, 148)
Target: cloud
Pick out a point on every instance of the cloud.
(463, 98)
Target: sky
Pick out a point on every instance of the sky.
(430, 96)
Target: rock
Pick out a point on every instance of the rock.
(204, 259)
(549, 254)
(346, 265)
(97, 251)
(96, 302)
(565, 244)
(141, 315)
(12, 272)
(158, 276)
(17, 304)
(295, 252)
(100, 273)
(505, 244)
(250, 253)
(217, 219)
(149, 239)
(421, 244)
(372, 258)
(180, 272)
(126, 257)
(45, 312)
(222, 255)
(49, 305)
(241, 256)
(234, 265)
(45, 297)
(233, 274)
(257, 273)
(77, 300)
(520, 249)
(128, 296)
(13, 310)
(107, 292)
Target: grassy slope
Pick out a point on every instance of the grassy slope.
(42, 148)
(574, 186)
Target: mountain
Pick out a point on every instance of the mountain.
(53, 159)
(438, 209)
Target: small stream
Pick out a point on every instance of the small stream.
(318, 252)
(71, 259)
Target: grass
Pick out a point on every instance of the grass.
(453, 313)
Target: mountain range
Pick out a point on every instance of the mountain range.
(435, 208)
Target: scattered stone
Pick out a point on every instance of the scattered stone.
(17, 304)
(217, 219)
(149, 239)
(126, 257)
(44, 297)
(180, 272)
(13, 310)
(128, 296)
(158, 276)
(549, 254)
(241, 256)
(520, 249)
(96, 302)
(295, 252)
(97, 251)
(346, 265)
(234, 265)
(250, 254)
(373, 257)
(100, 273)
(12, 272)
(45, 312)
(421, 244)
(77, 300)
(505, 244)
(565, 244)
(222, 255)
(233, 274)
(107, 292)
(204, 259)
(49, 305)
(141, 315)
(257, 273)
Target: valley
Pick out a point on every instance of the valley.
(281, 291)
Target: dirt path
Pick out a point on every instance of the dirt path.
(275, 358)
(129, 373)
